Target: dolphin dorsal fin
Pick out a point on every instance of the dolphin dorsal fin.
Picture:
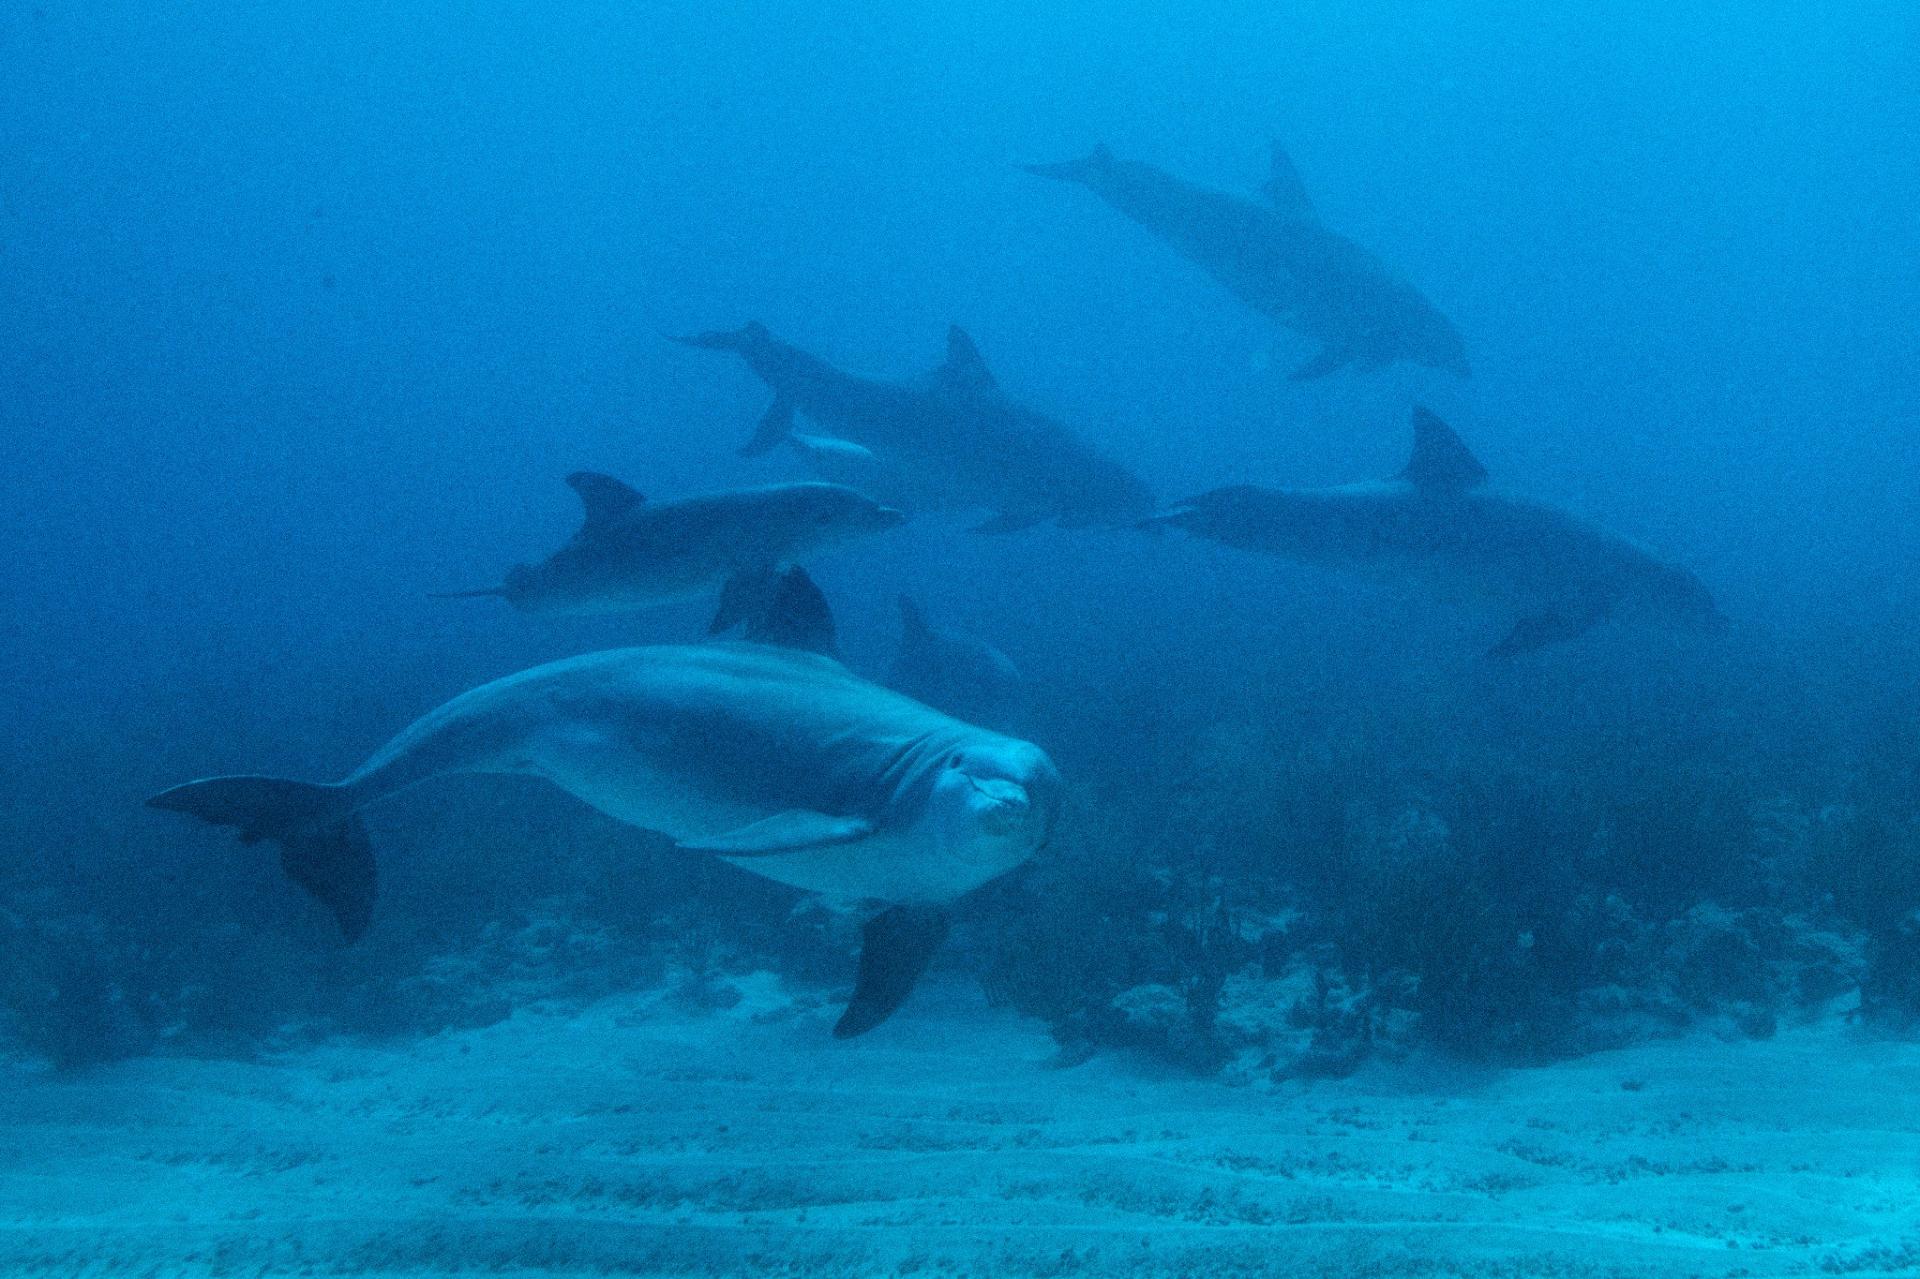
(1284, 187)
(604, 498)
(1441, 463)
(964, 366)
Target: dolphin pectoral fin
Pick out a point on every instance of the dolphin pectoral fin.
(1542, 630)
(797, 616)
(744, 596)
(895, 948)
(776, 424)
(1009, 522)
(793, 831)
(783, 608)
(1329, 359)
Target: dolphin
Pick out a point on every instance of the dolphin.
(953, 429)
(1281, 260)
(1437, 522)
(841, 461)
(772, 757)
(631, 553)
(963, 676)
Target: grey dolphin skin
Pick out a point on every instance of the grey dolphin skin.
(953, 429)
(963, 676)
(1281, 260)
(1437, 522)
(631, 553)
(777, 759)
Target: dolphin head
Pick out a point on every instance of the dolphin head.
(747, 339)
(993, 804)
(1087, 170)
(815, 516)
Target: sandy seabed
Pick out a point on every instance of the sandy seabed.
(633, 1139)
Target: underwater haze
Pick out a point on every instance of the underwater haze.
(1403, 753)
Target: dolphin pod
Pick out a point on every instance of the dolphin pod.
(1437, 522)
(1281, 260)
(767, 753)
(774, 758)
(953, 430)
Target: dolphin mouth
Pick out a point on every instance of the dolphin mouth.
(1008, 805)
(889, 517)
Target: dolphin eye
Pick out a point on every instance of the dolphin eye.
(953, 761)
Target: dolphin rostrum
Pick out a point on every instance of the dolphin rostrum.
(953, 429)
(776, 759)
(1281, 260)
(1437, 522)
(966, 677)
(632, 553)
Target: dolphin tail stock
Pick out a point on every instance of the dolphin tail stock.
(895, 947)
(1073, 170)
(323, 845)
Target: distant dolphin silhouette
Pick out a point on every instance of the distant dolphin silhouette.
(967, 678)
(1435, 522)
(774, 758)
(953, 429)
(1282, 261)
(631, 553)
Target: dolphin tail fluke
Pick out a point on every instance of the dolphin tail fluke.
(775, 429)
(785, 609)
(896, 946)
(746, 595)
(323, 845)
(1073, 170)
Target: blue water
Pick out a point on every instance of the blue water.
(309, 309)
